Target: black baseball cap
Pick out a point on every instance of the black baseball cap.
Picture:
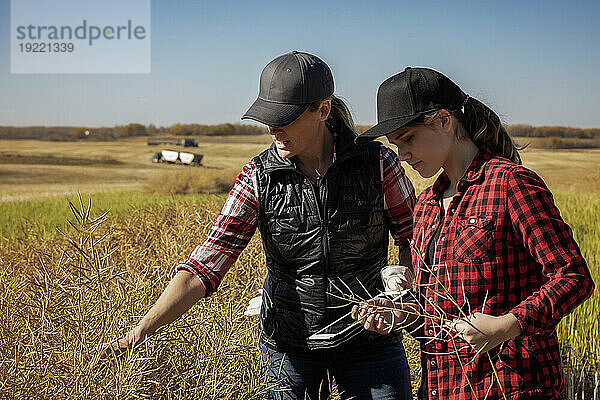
(409, 95)
(288, 85)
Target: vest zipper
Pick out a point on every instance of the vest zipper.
(325, 242)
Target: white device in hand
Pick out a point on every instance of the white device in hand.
(397, 281)
(320, 339)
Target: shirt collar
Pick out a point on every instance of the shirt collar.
(473, 173)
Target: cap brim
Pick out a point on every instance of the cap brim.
(384, 128)
(274, 114)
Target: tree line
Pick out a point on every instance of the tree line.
(66, 133)
(70, 133)
(520, 130)
(552, 131)
(215, 130)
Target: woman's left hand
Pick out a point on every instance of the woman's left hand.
(382, 315)
(484, 332)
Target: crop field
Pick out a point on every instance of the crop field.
(64, 294)
(111, 166)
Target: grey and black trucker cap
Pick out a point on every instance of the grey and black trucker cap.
(406, 96)
(288, 85)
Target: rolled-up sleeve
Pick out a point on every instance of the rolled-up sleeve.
(399, 195)
(229, 235)
(538, 224)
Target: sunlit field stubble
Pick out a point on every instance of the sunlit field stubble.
(63, 295)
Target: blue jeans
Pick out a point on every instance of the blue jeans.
(379, 374)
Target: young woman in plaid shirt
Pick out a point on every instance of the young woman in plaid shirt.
(496, 266)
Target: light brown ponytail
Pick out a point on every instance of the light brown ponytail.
(484, 127)
(339, 116)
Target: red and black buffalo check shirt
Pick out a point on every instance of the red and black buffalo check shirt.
(503, 248)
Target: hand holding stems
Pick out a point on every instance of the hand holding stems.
(382, 315)
(182, 292)
(484, 332)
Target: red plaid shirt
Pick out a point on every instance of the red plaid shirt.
(503, 247)
(237, 222)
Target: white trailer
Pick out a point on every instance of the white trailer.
(177, 157)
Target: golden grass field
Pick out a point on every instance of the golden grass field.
(62, 296)
(18, 182)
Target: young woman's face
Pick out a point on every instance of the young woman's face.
(300, 136)
(424, 147)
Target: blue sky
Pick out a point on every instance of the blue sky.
(534, 62)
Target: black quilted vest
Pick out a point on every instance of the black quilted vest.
(318, 241)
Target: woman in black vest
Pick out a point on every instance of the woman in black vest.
(324, 207)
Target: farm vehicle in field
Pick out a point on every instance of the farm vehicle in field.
(177, 157)
(185, 142)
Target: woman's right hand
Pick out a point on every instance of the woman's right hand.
(381, 315)
(182, 292)
(120, 346)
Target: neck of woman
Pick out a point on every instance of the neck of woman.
(460, 157)
(316, 159)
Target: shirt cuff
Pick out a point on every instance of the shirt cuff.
(208, 289)
(526, 322)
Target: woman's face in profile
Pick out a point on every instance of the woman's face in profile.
(423, 147)
(298, 138)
